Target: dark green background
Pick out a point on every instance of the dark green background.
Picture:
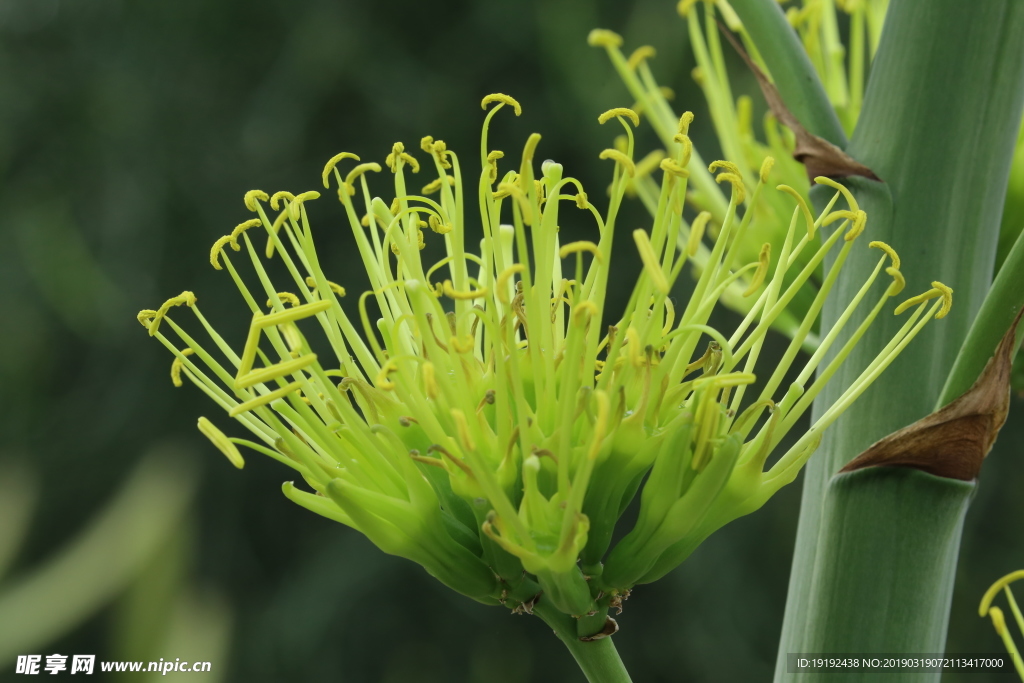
(129, 132)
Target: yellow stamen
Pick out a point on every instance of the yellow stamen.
(452, 293)
(252, 196)
(737, 185)
(382, 381)
(463, 429)
(221, 441)
(898, 281)
(672, 168)
(687, 151)
(696, 232)
(437, 226)
(893, 256)
(504, 99)
(763, 259)
(440, 151)
(177, 366)
(286, 297)
(640, 54)
(619, 112)
(574, 248)
(186, 298)
(622, 159)
(332, 162)
(264, 400)
(275, 371)
(435, 185)
(938, 290)
(358, 171)
(334, 287)
(766, 168)
(242, 227)
(650, 259)
(275, 200)
(684, 123)
(502, 282)
(808, 217)
(994, 589)
(601, 37)
(581, 200)
(684, 7)
(822, 180)
(217, 247)
(430, 380)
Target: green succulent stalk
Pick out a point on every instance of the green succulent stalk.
(490, 424)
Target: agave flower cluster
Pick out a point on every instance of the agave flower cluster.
(491, 424)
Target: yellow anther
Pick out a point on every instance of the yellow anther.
(398, 153)
(177, 366)
(893, 256)
(763, 261)
(452, 293)
(382, 381)
(278, 196)
(332, 162)
(295, 208)
(395, 207)
(186, 298)
(222, 442)
(898, 282)
(581, 200)
(673, 168)
(252, 196)
(620, 112)
(440, 151)
(947, 299)
(684, 140)
(938, 290)
(286, 298)
(822, 180)
(530, 148)
(737, 185)
(803, 207)
(429, 380)
(579, 247)
(667, 92)
(492, 164)
(994, 589)
(275, 371)
(502, 281)
(462, 427)
(636, 354)
(435, 185)
(397, 150)
(601, 37)
(685, 6)
(998, 620)
(684, 122)
(766, 168)
(145, 317)
(640, 54)
(650, 259)
(242, 227)
(584, 311)
(727, 165)
(842, 214)
(620, 158)
(334, 287)
(437, 226)
(860, 219)
(504, 99)
(696, 233)
(217, 247)
(263, 400)
(463, 345)
(358, 171)
(426, 144)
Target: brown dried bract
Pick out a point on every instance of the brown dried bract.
(952, 442)
(611, 627)
(819, 156)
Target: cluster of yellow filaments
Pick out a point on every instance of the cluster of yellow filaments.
(986, 608)
(491, 425)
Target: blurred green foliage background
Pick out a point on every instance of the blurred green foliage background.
(129, 132)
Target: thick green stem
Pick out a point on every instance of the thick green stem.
(598, 659)
(940, 117)
(790, 68)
